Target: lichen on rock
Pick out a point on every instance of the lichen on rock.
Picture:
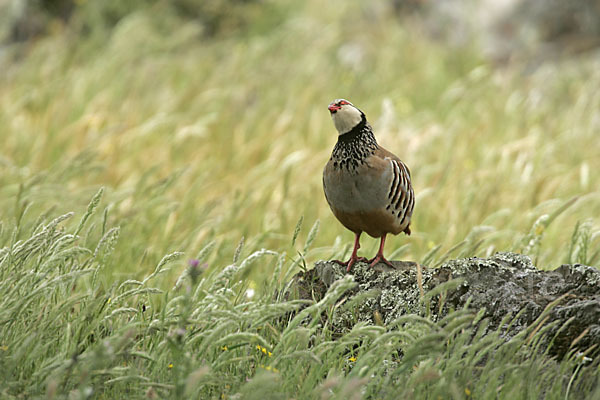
(501, 285)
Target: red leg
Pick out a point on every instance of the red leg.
(353, 258)
(379, 257)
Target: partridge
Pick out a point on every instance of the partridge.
(367, 187)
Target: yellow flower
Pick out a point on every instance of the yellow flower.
(224, 348)
(263, 350)
(170, 365)
(467, 392)
(352, 359)
(268, 368)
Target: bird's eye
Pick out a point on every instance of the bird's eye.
(343, 102)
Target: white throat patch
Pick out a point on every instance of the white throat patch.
(346, 118)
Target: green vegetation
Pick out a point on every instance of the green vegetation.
(209, 144)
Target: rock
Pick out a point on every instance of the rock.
(28, 19)
(503, 284)
(527, 30)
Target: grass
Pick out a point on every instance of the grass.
(212, 149)
(65, 334)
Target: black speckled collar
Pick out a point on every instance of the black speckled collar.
(354, 132)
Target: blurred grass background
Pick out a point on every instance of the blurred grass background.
(207, 121)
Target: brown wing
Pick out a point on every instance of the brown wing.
(401, 197)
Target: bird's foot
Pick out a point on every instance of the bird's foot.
(379, 258)
(348, 264)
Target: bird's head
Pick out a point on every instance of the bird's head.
(345, 116)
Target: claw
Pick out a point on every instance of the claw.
(379, 257)
(352, 261)
(353, 258)
(348, 264)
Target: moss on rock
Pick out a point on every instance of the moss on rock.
(504, 284)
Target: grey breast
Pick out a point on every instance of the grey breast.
(364, 189)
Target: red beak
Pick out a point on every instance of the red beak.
(333, 108)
